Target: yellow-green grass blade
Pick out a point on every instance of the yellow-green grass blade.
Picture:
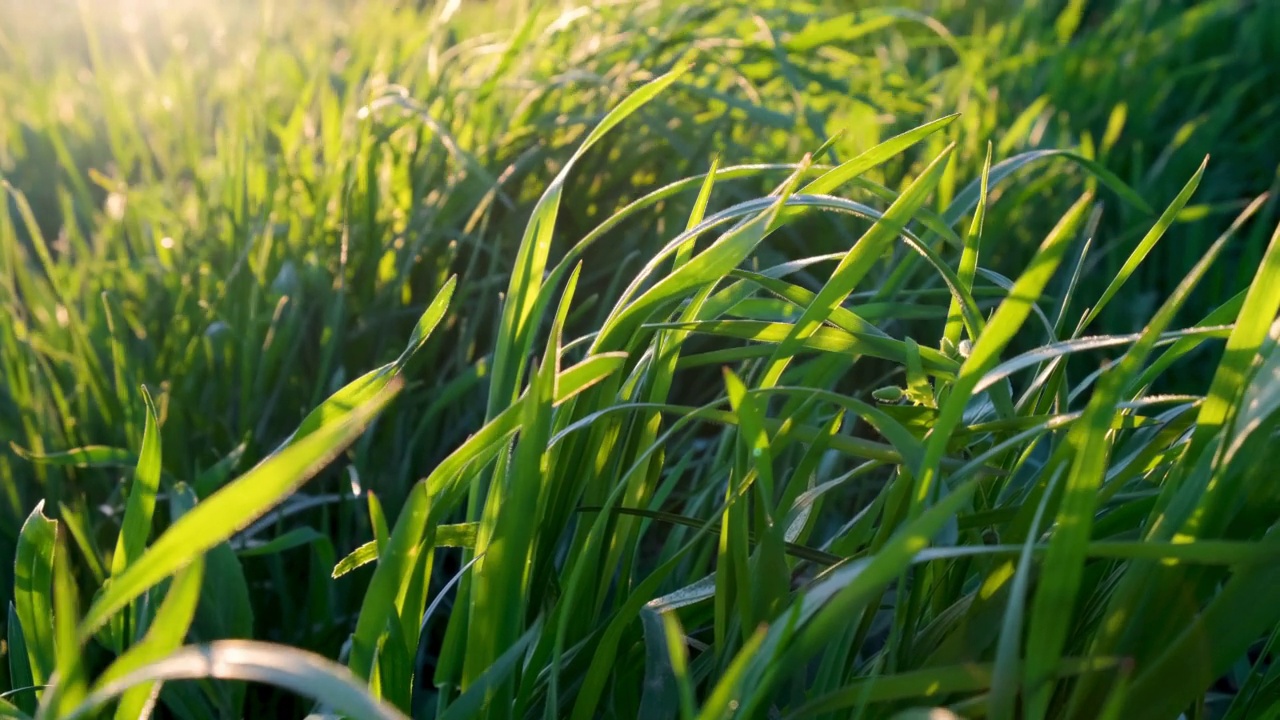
(442, 489)
(460, 535)
(800, 298)
(69, 683)
(1222, 403)
(821, 338)
(969, 256)
(1192, 498)
(135, 528)
(926, 682)
(165, 635)
(87, 456)
(515, 333)
(249, 497)
(1004, 323)
(33, 592)
(894, 146)
(855, 265)
(500, 588)
(1144, 247)
(1089, 445)
(968, 198)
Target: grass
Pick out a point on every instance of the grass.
(639, 361)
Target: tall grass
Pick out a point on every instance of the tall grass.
(472, 385)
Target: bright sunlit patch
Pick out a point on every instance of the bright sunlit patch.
(115, 206)
(996, 580)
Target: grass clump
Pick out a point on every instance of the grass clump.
(471, 389)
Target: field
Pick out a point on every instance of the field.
(646, 360)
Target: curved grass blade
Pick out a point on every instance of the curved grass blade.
(826, 339)
(1090, 445)
(708, 266)
(1052, 351)
(302, 672)
(967, 198)
(87, 456)
(1006, 321)
(515, 329)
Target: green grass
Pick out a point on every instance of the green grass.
(654, 360)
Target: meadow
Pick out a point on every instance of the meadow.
(642, 359)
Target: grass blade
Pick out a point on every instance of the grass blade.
(301, 672)
(249, 497)
(33, 592)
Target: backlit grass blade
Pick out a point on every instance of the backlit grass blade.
(826, 339)
(894, 146)
(461, 535)
(304, 673)
(969, 256)
(508, 538)
(444, 487)
(968, 198)
(1090, 446)
(359, 557)
(1053, 351)
(33, 592)
(69, 683)
(1186, 508)
(1257, 314)
(225, 610)
(1223, 314)
(165, 635)
(1144, 246)
(88, 456)
(719, 258)
(22, 685)
(516, 326)
(1004, 323)
(241, 502)
(135, 529)
(937, 681)
(841, 317)
(429, 320)
(856, 264)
